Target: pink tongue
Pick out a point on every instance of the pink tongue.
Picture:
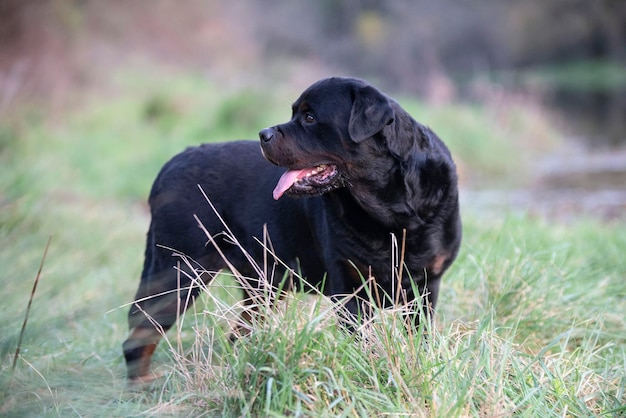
(285, 182)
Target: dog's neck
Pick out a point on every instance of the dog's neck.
(367, 203)
(418, 192)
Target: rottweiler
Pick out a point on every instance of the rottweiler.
(330, 191)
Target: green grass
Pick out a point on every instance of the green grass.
(580, 76)
(519, 331)
(530, 322)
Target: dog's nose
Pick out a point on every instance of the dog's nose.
(266, 134)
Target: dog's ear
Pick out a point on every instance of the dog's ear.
(371, 112)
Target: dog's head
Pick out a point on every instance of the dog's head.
(331, 135)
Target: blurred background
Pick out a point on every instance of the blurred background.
(550, 74)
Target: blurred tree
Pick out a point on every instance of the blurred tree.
(50, 45)
(566, 30)
(610, 16)
(36, 41)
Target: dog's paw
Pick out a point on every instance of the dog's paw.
(141, 382)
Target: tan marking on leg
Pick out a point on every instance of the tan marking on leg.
(141, 369)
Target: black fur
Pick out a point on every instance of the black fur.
(393, 176)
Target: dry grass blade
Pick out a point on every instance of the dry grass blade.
(30, 302)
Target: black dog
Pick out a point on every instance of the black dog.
(364, 171)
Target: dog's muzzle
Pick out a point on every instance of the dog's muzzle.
(267, 134)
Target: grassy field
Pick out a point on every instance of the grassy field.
(531, 321)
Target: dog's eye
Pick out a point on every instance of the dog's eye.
(309, 118)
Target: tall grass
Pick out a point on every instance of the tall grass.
(530, 320)
(522, 341)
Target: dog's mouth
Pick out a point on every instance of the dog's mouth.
(308, 181)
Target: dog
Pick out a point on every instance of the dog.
(332, 188)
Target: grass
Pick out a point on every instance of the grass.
(530, 321)
(585, 76)
(519, 342)
(576, 76)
